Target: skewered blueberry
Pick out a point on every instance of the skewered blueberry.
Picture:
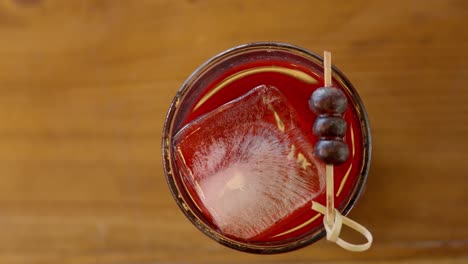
(328, 100)
(329, 127)
(334, 152)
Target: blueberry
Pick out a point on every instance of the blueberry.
(328, 100)
(334, 151)
(329, 127)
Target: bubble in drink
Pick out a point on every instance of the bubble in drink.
(250, 164)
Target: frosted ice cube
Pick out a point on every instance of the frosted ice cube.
(249, 163)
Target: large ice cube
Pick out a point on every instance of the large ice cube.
(249, 163)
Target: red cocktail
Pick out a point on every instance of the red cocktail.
(239, 151)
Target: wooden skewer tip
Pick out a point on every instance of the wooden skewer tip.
(327, 68)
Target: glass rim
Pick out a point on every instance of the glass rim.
(167, 158)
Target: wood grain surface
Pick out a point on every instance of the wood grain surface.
(85, 86)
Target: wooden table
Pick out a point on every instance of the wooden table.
(85, 86)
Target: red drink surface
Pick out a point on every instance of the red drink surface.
(302, 221)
